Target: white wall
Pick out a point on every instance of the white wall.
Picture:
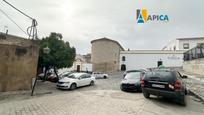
(87, 66)
(172, 44)
(192, 43)
(139, 61)
(178, 43)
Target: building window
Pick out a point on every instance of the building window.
(123, 58)
(186, 46)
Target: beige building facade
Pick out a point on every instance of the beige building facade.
(105, 55)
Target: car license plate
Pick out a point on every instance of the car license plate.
(157, 85)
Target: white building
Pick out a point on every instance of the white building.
(81, 63)
(141, 59)
(184, 43)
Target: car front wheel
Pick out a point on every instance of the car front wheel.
(104, 77)
(73, 86)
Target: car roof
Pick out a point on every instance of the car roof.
(167, 70)
(132, 70)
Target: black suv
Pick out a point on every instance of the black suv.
(165, 83)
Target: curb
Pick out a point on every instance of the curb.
(196, 95)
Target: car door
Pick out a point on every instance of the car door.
(88, 79)
(82, 80)
(96, 75)
(100, 75)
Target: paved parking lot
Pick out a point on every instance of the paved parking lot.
(105, 98)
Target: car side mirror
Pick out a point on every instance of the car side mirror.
(79, 78)
(184, 76)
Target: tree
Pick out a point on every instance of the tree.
(61, 54)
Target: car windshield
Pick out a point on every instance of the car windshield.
(65, 74)
(133, 75)
(71, 76)
(129, 71)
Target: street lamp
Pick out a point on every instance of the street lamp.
(46, 50)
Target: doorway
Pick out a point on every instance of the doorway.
(78, 68)
(123, 67)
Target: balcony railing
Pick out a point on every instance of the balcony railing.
(194, 53)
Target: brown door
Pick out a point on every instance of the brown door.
(78, 68)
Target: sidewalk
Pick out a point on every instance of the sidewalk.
(195, 84)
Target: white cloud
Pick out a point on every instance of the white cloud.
(81, 21)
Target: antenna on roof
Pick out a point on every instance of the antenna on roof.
(6, 29)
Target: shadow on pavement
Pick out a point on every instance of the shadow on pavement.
(161, 101)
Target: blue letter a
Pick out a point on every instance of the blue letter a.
(140, 19)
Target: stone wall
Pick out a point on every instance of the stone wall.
(194, 66)
(105, 55)
(18, 62)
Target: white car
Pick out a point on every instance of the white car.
(75, 80)
(99, 75)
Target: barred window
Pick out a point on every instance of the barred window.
(123, 58)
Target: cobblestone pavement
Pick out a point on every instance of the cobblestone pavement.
(105, 98)
(195, 83)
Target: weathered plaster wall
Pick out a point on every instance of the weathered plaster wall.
(194, 66)
(18, 62)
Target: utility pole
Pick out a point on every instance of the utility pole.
(31, 31)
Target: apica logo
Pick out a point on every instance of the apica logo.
(142, 16)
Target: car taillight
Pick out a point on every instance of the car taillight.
(177, 85)
(142, 82)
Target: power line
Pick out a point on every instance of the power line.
(18, 9)
(32, 30)
(13, 21)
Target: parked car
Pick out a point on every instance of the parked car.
(99, 75)
(131, 82)
(129, 71)
(52, 78)
(41, 75)
(75, 80)
(166, 83)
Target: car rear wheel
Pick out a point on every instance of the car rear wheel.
(146, 95)
(183, 101)
(104, 77)
(91, 83)
(73, 86)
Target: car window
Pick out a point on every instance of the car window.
(83, 76)
(133, 75)
(88, 76)
(160, 75)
